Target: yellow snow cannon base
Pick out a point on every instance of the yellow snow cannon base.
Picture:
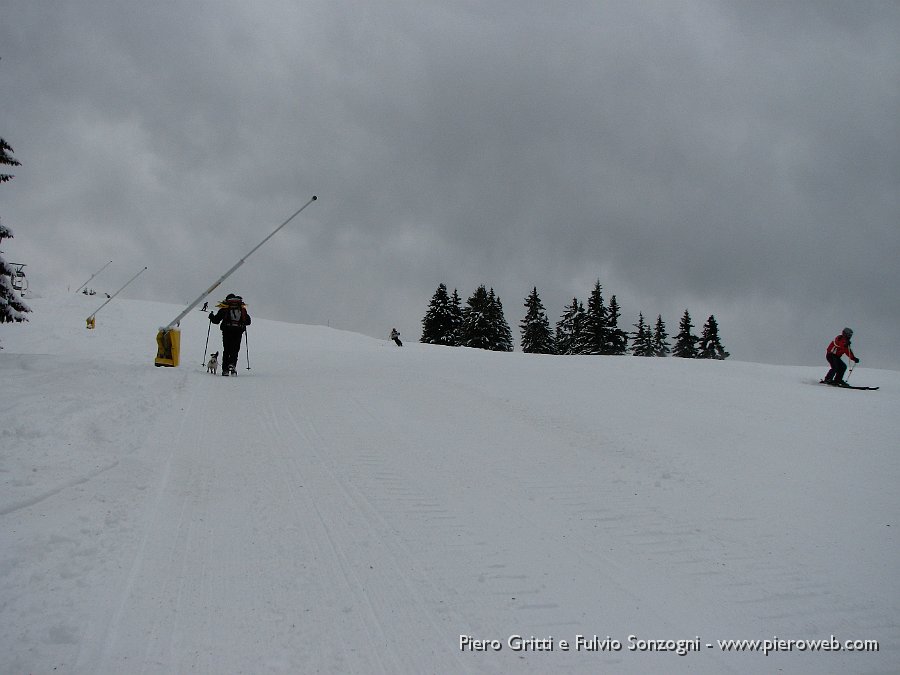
(168, 346)
(91, 323)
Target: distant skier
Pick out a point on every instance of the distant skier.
(205, 305)
(233, 317)
(395, 336)
(839, 347)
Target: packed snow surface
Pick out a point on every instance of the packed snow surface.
(349, 506)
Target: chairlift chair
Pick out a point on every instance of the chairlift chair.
(19, 280)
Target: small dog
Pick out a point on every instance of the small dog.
(213, 364)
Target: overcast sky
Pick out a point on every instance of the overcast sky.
(740, 159)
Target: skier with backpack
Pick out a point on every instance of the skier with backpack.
(839, 347)
(233, 320)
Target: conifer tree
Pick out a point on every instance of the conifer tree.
(537, 338)
(12, 308)
(502, 335)
(596, 331)
(570, 332)
(710, 344)
(642, 343)
(685, 341)
(437, 325)
(7, 159)
(661, 338)
(456, 319)
(477, 330)
(617, 339)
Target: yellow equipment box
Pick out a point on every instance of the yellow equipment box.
(168, 346)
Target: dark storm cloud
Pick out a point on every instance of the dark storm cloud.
(733, 158)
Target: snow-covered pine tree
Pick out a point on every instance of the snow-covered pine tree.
(456, 319)
(7, 159)
(596, 331)
(502, 335)
(570, 334)
(685, 341)
(661, 338)
(12, 308)
(710, 344)
(617, 339)
(477, 330)
(437, 325)
(642, 342)
(537, 338)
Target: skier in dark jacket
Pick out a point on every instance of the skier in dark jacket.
(233, 319)
(839, 347)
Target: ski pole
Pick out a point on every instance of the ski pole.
(852, 364)
(207, 344)
(247, 345)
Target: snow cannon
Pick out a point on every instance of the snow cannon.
(92, 319)
(168, 339)
(168, 347)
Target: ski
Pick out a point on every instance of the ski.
(848, 386)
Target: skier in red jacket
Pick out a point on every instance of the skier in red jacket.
(839, 347)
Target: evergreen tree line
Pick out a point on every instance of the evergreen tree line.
(581, 330)
(480, 323)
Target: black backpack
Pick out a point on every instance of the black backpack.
(235, 314)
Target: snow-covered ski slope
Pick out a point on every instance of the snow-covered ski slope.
(348, 506)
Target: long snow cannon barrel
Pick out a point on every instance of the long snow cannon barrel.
(168, 338)
(91, 321)
(174, 322)
(93, 275)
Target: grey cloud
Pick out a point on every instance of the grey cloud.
(737, 158)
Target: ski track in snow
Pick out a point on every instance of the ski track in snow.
(31, 501)
(347, 508)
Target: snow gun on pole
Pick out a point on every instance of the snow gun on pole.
(91, 321)
(168, 339)
(93, 275)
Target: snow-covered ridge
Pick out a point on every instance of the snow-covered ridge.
(346, 505)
